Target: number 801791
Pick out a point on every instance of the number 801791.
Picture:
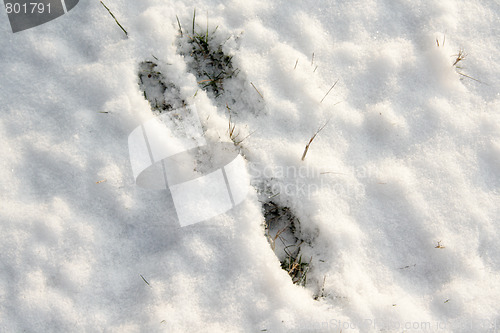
(27, 8)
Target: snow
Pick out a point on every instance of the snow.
(398, 196)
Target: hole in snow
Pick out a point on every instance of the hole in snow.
(283, 234)
(162, 94)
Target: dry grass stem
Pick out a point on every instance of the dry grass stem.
(257, 90)
(329, 90)
(312, 138)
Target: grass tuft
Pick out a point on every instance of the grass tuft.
(460, 56)
(231, 130)
(444, 40)
(208, 61)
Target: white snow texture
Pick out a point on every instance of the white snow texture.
(398, 196)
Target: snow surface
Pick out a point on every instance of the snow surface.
(398, 197)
